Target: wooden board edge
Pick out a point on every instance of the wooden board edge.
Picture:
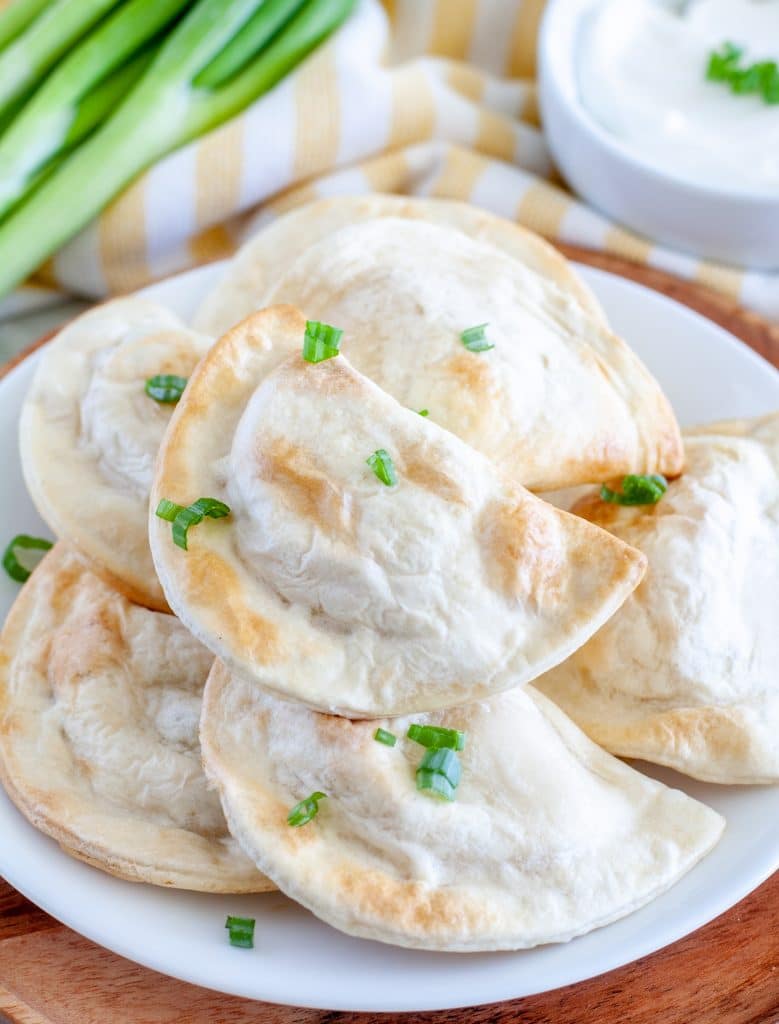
(755, 330)
(15, 1011)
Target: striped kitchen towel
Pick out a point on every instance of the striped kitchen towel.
(423, 97)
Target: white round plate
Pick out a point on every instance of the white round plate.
(300, 961)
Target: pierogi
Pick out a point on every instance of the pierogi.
(327, 586)
(548, 838)
(558, 401)
(89, 434)
(271, 252)
(686, 674)
(99, 707)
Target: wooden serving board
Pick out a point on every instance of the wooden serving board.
(726, 973)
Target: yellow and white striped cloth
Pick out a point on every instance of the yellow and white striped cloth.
(425, 97)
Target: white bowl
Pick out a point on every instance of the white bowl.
(738, 226)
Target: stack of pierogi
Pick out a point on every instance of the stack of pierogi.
(366, 546)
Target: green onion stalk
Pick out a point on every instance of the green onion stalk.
(17, 16)
(92, 111)
(80, 93)
(220, 57)
(43, 41)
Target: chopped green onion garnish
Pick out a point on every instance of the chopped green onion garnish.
(762, 77)
(387, 738)
(168, 510)
(435, 783)
(436, 737)
(722, 63)
(637, 490)
(475, 339)
(445, 762)
(321, 341)
(424, 412)
(383, 467)
(211, 507)
(771, 87)
(187, 517)
(241, 930)
(307, 809)
(182, 518)
(19, 566)
(165, 387)
(439, 772)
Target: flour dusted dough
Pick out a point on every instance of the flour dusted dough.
(326, 586)
(99, 705)
(686, 674)
(548, 837)
(89, 434)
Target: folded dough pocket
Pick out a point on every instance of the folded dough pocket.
(687, 673)
(99, 707)
(548, 836)
(270, 253)
(557, 399)
(371, 562)
(91, 425)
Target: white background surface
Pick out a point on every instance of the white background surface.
(298, 960)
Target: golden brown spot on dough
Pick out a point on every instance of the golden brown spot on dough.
(213, 584)
(330, 377)
(471, 372)
(617, 518)
(602, 513)
(91, 636)
(596, 461)
(522, 551)
(297, 838)
(12, 724)
(340, 733)
(88, 645)
(176, 356)
(415, 464)
(161, 352)
(70, 571)
(269, 815)
(411, 905)
(306, 490)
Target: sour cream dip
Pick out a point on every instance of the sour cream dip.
(641, 74)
